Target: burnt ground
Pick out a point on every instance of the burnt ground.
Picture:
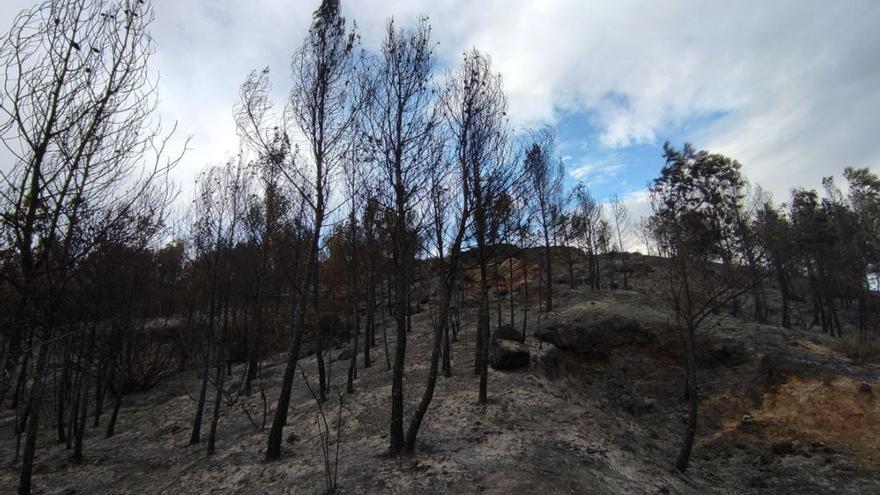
(780, 413)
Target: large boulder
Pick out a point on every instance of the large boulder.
(596, 337)
(507, 332)
(508, 355)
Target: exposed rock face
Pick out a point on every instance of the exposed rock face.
(508, 355)
(597, 337)
(547, 358)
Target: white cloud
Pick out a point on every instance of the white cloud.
(795, 80)
(594, 173)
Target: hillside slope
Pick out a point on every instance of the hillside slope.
(599, 409)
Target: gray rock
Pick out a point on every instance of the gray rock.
(507, 332)
(508, 355)
(597, 337)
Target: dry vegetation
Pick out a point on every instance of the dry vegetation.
(569, 422)
(390, 289)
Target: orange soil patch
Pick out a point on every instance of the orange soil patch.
(499, 277)
(836, 413)
(819, 349)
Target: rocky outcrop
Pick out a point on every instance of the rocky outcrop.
(597, 336)
(508, 355)
(507, 332)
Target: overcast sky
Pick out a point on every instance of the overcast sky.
(789, 88)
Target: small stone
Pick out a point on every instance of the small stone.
(865, 388)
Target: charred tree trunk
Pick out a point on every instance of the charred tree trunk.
(483, 329)
(319, 341)
(525, 297)
(196, 435)
(510, 290)
(427, 396)
(370, 328)
(681, 463)
(218, 398)
(279, 421)
(114, 416)
(447, 351)
(33, 422)
(99, 395)
(63, 393)
(352, 366)
(84, 386)
(396, 427)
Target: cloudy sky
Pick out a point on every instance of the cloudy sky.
(789, 88)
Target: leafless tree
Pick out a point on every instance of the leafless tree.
(322, 108)
(217, 215)
(399, 124)
(77, 106)
(477, 110)
(448, 211)
(643, 228)
(620, 221)
(355, 177)
(588, 218)
(545, 173)
(259, 129)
